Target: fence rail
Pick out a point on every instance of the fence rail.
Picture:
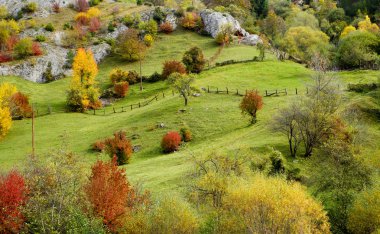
(266, 92)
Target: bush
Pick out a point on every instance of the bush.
(166, 28)
(158, 15)
(56, 7)
(192, 21)
(49, 27)
(139, 2)
(36, 49)
(171, 142)
(186, 134)
(129, 47)
(118, 75)
(19, 106)
(24, 48)
(133, 77)
(154, 77)
(99, 146)
(194, 60)
(82, 18)
(120, 147)
(5, 58)
(94, 25)
(363, 88)
(30, 7)
(40, 38)
(149, 27)
(48, 75)
(82, 5)
(148, 40)
(121, 89)
(171, 67)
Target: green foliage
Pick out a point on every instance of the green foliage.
(149, 27)
(194, 60)
(358, 50)
(260, 7)
(49, 27)
(31, 7)
(302, 19)
(182, 84)
(23, 48)
(40, 38)
(3, 12)
(129, 47)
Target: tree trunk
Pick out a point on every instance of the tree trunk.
(185, 101)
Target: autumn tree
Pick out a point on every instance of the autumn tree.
(13, 196)
(171, 67)
(250, 104)
(182, 84)
(110, 193)
(129, 46)
(83, 93)
(120, 147)
(194, 60)
(6, 92)
(258, 205)
(56, 200)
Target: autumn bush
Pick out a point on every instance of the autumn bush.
(94, 25)
(36, 49)
(118, 75)
(99, 146)
(13, 196)
(194, 60)
(5, 58)
(19, 106)
(191, 21)
(109, 192)
(250, 104)
(171, 67)
(56, 7)
(23, 48)
(129, 46)
(82, 5)
(166, 28)
(186, 134)
(148, 40)
(119, 146)
(121, 89)
(171, 142)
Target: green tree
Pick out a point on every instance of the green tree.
(182, 84)
(260, 7)
(194, 60)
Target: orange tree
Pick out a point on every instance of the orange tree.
(251, 103)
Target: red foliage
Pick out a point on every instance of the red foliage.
(170, 142)
(13, 195)
(82, 5)
(94, 25)
(120, 147)
(251, 103)
(166, 28)
(36, 49)
(11, 42)
(109, 191)
(99, 146)
(121, 88)
(56, 7)
(171, 67)
(19, 106)
(5, 58)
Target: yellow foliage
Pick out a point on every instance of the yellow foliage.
(5, 121)
(347, 30)
(148, 40)
(6, 92)
(272, 205)
(367, 25)
(81, 16)
(85, 68)
(93, 12)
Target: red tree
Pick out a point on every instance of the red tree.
(251, 103)
(120, 147)
(171, 67)
(13, 195)
(170, 142)
(109, 192)
(121, 88)
(19, 106)
(82, 5)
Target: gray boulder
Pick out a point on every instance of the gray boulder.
(44, 6)
(172, 20)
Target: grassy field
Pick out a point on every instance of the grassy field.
(214, 119)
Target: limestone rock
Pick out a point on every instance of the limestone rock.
(172, 20)
(44, 6)
(118, 30)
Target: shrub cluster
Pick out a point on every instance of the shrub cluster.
(171, 67)
(121, 89)
(118, 146)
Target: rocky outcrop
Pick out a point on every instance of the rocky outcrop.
(172, 20)
(44, 6)
(118, 30)
(33, 68)
(214, 21)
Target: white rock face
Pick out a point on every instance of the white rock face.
(44, 6)
(172, 19)
(33, 68)
(214, 21)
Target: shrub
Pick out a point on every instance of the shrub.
(191, 21)
(194, 60)
(82, 18)
(93, 12)
(5, 58)
(121, 89)
(166, 28)
(149, 27)
(118, 75)
(13, 196)
(139, 2)
(186, 134)
(24, 48)
(154, 77)
(171, 67)
(171, 142)
(148, 40)
(36, 49)
(48, 75)
(82, 5)
(30, 7)
(94, 25)
(120, 147)
(133, 77)
(56, 7)
(49, 27)
(40, 38)
(94, 2)
(99, 146)
(158, 15)
(250, 104)
(11, 42)
(19, 106)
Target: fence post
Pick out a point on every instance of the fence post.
(307, 90)
(113, 109)
(173, 92)
(237, 92)
(286, 92)
(296, 91)
(131, 107)
(217, 90)
(266, 92)
(208, 89)
(156, 98)
(122, 109)
(227, 89)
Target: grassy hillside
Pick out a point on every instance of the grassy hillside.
(214, 119)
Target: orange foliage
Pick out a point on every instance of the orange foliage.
(36, 49)
(13, 195)
(121, 88)
(171, 67)
(19, 106)
(170, 142)
(94, 25)
(166, 28)
(190, 20)
(120, 147)
(110, 193)
(251, 103)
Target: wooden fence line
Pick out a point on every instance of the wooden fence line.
(243, 92)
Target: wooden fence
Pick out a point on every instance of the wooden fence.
(266, 93)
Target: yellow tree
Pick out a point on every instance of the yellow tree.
(5, 121)
(83, 93)
(367, 25)
(347, 30)
(6, 92)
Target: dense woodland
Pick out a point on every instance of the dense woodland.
(306, 162)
